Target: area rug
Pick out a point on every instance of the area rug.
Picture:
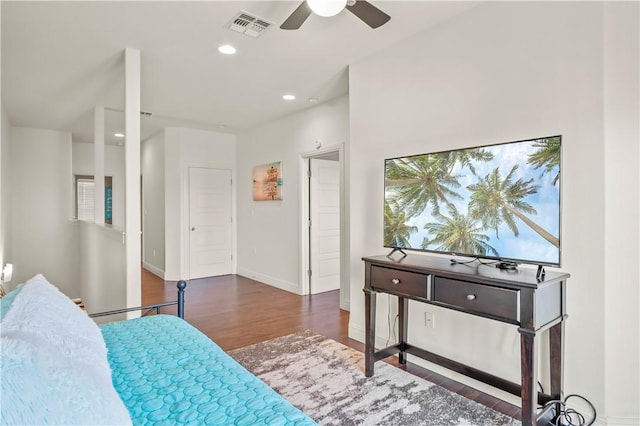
(326, 380)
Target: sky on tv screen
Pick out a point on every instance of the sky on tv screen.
(542, 211)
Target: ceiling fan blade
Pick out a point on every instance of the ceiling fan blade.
(297, 18)
(368, 13)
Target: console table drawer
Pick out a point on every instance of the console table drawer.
(395, 281)
(494, 302)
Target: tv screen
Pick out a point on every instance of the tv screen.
(498, 202)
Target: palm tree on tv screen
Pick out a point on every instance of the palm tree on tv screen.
(396, 231)
(458, 234)
(416, 183)
(467, 158)
(420, 181)
(547, 156)
(495, 201)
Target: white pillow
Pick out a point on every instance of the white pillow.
(54, 363)
(40, 310)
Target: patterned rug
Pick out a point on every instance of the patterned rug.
(326, 380)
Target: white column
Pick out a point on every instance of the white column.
(132, 176)
(98, 164)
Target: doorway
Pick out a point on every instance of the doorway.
(209, 222)
(324, 225)
(323, 221)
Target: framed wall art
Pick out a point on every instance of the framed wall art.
(267, 182)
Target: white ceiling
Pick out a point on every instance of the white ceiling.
(61, 59)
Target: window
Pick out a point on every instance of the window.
(85, 198)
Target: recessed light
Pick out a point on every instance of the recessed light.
(313, 100)
(119, 135)
(227, 49)
(288, 97)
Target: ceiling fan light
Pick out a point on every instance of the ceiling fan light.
(327, 8)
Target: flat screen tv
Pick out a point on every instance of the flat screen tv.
(497, 202)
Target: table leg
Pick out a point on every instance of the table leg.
(528, 367)
(556, 362)
(369, 331)
(403, 307)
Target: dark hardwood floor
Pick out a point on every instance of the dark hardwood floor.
(235, 311)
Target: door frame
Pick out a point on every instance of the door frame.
(304, 216)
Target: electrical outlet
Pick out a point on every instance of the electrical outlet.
(154, 253)
(255, 251)
(429, 320)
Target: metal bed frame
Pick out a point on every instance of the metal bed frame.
(150, 308)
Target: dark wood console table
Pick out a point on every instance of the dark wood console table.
(511, 296)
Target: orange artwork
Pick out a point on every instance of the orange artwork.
(267, 182)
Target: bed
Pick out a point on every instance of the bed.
(59, 367)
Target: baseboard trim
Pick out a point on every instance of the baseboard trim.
(619, 421)
(356, 332)
(273, 282)
(345, 305)
(154, 270)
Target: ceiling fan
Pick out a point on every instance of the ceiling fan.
(364, 10)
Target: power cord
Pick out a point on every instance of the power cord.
(568, 416)
(465, 262)
(395, 321)
(497, 263)
(391, 329)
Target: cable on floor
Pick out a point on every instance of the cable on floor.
(568, 416)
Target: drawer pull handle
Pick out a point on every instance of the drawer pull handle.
(471, 297)
(396, 281)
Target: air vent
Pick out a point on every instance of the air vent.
(257, 28)
(249, 24)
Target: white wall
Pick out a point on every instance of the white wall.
(269, 231)
(83, 164)
(102, 251)
(504, 71)
(186, 148)
(44, 238)
(103, 268)
(153, 204)
(622, 212)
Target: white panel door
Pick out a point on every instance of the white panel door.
(325, 225)
(209, 222)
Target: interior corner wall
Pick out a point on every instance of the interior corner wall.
(269, 231)
(622, 211)
(153, 204)
(4, 124)
(44, 237)
(5, 193)
(186, 148)
(83, 164)
(503, 71)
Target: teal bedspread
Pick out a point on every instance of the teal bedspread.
(168, 373)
